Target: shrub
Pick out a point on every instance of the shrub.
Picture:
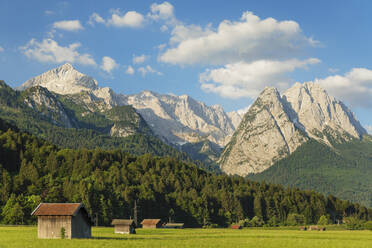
(257, 221)
(323, 220)
(353, 223)
(295, 219)
(63, 233)
(368, 225)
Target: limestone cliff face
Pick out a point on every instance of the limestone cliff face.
(182, 119)
(176, 119)
(316, 112)
(276, 126)
(265, 135)
(41, 100)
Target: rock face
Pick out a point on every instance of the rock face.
(181, 119)
(62, 80)
(315, 112)
(41, 100)
(176, 119)
(276, 126)
(265, 135)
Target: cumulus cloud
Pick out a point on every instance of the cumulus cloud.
(95, 18)
(72, 25)
(243, 79)
(49, 50)
(148, 69)
(1, 49)
(164, 12)
(248, 39)
(130, 70)
(131, 19)
(108, 64)
(354, 87)
(140, 59)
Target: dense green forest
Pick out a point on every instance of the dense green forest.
(344, 170)
(109, 182)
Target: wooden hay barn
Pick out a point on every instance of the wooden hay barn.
(174, 225)
(124, 226)
(52, 218)
(151, 223)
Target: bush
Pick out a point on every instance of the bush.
(63, 233)
(295, 219)
(353, 223)
(323, 220)
(257, 221)
(368, 225)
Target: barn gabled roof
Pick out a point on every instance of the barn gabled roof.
(150, 221)
(62, 209)
(122, 222)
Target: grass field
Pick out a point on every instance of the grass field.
(25, 237)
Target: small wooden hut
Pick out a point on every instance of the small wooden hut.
(55, 220)
(174, 225)
(151, 223)
(124, 226)
(237, 226)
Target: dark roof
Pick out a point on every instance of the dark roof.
(63, 209)
(150, 221)
(122, 222)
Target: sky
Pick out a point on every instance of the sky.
(218, 52)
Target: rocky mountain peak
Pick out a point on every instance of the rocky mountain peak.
(275, 126)
(318, 111)
(62, 80)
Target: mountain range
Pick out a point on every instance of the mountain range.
(175, 119)
(302, 137)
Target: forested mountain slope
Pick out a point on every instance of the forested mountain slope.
(344, 170)
(108, 183)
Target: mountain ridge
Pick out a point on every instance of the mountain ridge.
(276, 125)
(176, 119)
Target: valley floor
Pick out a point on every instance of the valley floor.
(25, 236)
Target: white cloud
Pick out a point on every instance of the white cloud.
(369, 129)
(1, 49)
(95, 18)
(72, 25)
(244, 79)
(148, 69)
(108, 64)
(164, 12)
(354, 87)
(131, 19)
(249, 39)
(130, 70)
(140, 59)
(49, 50)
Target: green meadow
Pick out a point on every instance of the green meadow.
(26, 236)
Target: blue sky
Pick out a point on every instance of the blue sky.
(216, 51)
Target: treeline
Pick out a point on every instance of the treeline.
(110, 182)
